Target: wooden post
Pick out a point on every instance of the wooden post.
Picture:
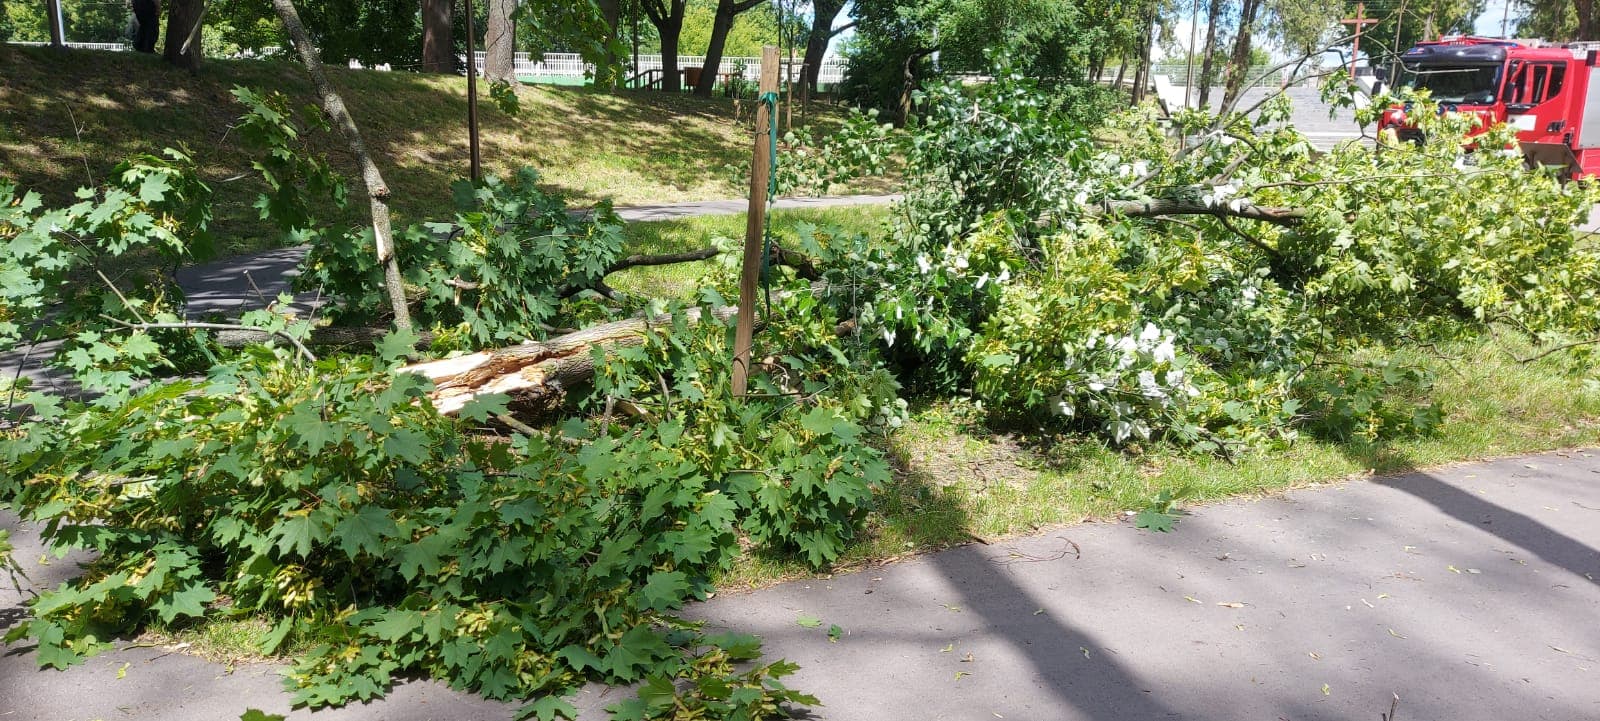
(1361, 21)
(755, 225)
(472, 95)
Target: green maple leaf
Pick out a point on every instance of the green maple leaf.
(396, 625)
(365, 530)
(484, 407)
(296, 533)
(1154, 520)
(190, 601)
(259, 715)
(548, 708)
(808, 621)
(665, 590)
(397, 346)
(306, 421)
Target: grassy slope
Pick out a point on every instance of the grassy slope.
(65, 120)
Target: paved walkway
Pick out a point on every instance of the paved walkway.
(1470, 592)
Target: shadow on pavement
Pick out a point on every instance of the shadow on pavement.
(1547, 543)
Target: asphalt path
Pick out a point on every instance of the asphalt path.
(1468, 592)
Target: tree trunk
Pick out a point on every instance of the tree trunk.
(823, 13)
(377, 190)
(1239, 61)
(500, 43)
(183, 19)
(1586, 24)
(1207, 70)
(438, 40)
(611, 13)
(667, 16)
(721, 25)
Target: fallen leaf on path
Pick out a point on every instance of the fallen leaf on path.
(1314, 655)
(969, 658)
(951, 608)
(1473, 570)
(1038, 611)
(1326, 691)
(1084, 650)
(1369, 603)
(834, 632)
(1230, 604)
(1383, 596)
(1453, 569)
(1396, 635)
(1192, 599)
(949, 648)
(959, 674)
(1560, 649)
(808, 621)
(122, 673)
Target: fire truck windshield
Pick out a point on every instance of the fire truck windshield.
(1470, 85)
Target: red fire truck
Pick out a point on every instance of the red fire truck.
(1549, 93)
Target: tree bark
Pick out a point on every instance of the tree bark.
(611, 13)
(721, 25)
(438, 40)
(1586, 24)
(1239, 61)
(377, 190)
(667, 17)
(183, 17)
(1207, 68)
(823, 13)
(500, 43)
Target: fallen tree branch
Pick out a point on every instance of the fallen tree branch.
(186, 325)
(1155, 207)
(535, 372)
(240, 336)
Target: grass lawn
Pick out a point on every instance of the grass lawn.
(67, 119)
(679, 282)
(958, 481)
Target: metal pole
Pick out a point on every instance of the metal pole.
(58, 27)
(1188, 73)
(472, 94)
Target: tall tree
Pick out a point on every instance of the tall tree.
(1239, 59)
(183, 28)
(1208, 68)
(500, 41)
(823, 14)
(438, 39)
(667, 17)
(727, 11)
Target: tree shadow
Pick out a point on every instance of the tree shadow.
(1550, 545)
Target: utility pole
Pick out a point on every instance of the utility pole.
(58, 28)
(1188, 74)
(1360, 21)
(472, 96)
(1505, 20)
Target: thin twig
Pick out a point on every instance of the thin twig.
(123, 298)
(1556, 349)
(187, 325)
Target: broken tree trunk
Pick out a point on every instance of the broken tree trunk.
(536, 374)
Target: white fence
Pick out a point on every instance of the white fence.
(75, 46)
(571, 65)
